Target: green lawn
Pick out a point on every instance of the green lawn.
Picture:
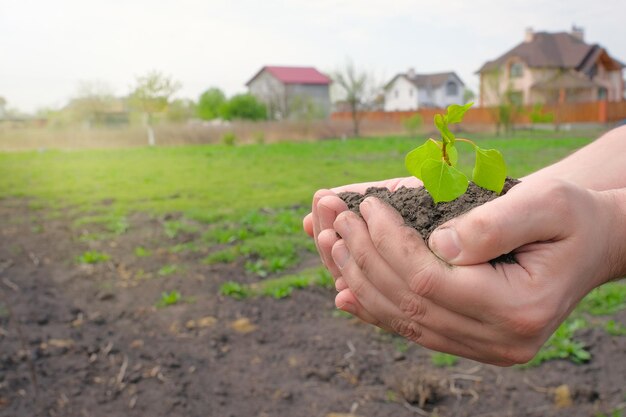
(209, 182)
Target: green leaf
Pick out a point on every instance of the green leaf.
(443, 182)
(456, 112)
(490, 169)
(453, 154)
(441, 122)
(419, 155)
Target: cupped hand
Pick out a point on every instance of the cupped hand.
(456, 301)
(326, 206)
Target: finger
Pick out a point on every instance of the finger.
(314, 210)
(500, 226)
(346, 301)
(470, 291)
(357, 252)
(307, 224)
(391, 184)
(328, 208)
(325, 242)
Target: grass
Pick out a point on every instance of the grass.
(278, 287)
(213, 182)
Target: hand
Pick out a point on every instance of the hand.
(326, 205)
(566, 239)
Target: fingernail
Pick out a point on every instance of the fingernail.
(445, 243)
(340, 255)
(341, 225)
(365, 207)
(348, 308)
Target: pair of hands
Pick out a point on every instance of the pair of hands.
(446, 295)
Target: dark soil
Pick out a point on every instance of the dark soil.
(420, 212)
(79, 340)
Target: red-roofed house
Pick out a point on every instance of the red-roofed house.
(290, 92)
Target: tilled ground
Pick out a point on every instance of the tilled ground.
(87, 340)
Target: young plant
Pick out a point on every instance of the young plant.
(435, 161)
(169, 299)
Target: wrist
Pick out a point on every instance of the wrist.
(616, 237)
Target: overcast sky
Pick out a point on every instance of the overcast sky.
(48, 47)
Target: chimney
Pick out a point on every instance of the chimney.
(529, 34)
(411, 73)
(578, 32)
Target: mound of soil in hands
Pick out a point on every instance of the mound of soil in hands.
(419, 211)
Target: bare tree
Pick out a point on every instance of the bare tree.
(3, 104)
(152, 94)
(357, 88)
(92, 100)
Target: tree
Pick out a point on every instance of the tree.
(181, 110)
(3, 104)
(356, 87)
(92, 100)
(243, 106)
(507, 101)
(152, 95)
(209, 104)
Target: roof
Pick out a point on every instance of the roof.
(427, 80)
(294, 75)
(567, 80)
(552, 50)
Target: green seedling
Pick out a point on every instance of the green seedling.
(142, 252)
(615, 328)
(167, 270)
(435, 161)
(92, 257)
(443, 360)
(169, 298)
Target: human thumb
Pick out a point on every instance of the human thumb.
(496, 228)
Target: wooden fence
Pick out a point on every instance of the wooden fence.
(589, 112)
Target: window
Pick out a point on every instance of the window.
(602, 93)
(516, 70)
(410, 92)
(452, 89)
(396, 92)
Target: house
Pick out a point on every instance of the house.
(411, 91)
(550, 68)
(292, 92)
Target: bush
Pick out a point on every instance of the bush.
(243, 107)
(229, 139)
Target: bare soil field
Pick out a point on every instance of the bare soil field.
(88, 340)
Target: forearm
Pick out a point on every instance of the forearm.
(601, 165)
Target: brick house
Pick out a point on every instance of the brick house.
(411, 91)
(551, 68)
(291, 92)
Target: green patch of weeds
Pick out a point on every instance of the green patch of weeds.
(222, 256)
(168, 270)
(37, 229)
(118, 225)
(561, 345)
(184, 247)
(234, 290)
(443, 360)
(36, 205)
(607, 299)
(277, 287)
(615, 413)
(169, 298)
(142, 252)
(615, 328)
(174, 227)
(92, 257)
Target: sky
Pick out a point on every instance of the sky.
(48, 48)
